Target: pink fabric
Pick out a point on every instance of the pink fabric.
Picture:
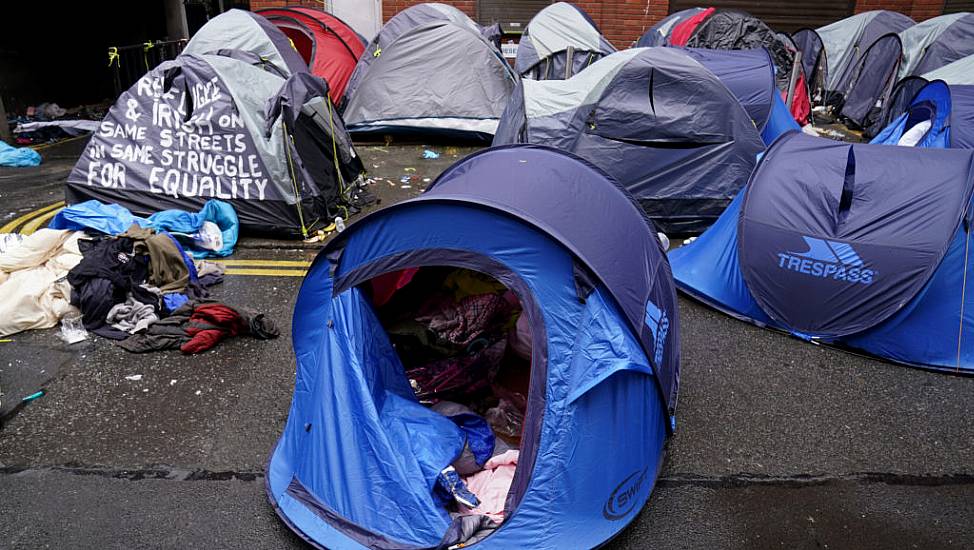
(491, 485)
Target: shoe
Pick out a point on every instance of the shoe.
(451, 482)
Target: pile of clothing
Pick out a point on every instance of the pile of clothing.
(466, 350)
(142, 289)
(139, 286)
(49, 122)
(32, 279)
(474, 487)
(453, 330)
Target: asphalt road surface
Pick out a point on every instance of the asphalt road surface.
(780, 444)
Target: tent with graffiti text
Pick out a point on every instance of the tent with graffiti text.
(860, 246)
(222, 127)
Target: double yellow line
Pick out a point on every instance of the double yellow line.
(266, 268)
(32, 221)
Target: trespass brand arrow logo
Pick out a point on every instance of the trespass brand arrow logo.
(828, 260)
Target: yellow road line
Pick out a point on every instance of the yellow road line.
(46, 145)
(13, 225)
(265, 263)
(36, 223)
(267, 272)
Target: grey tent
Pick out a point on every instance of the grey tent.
(558, 42)
(956, 73)
(404, 21)
(248, 32)
(429, 71)
(845, 41)
(628, 114)
(936, 42)
(203, 127)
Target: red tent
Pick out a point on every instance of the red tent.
(329, 46)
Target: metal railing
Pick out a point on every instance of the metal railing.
(129, 63)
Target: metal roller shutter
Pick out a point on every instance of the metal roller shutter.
(781, 15)
(508, 11)
(958, 6)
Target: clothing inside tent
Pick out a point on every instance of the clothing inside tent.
(465, 349)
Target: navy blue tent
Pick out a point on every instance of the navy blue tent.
(683, 161)
(939, 116)
(359, 454)
(856, 245)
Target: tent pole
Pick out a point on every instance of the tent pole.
(4, 127)
(796, 66)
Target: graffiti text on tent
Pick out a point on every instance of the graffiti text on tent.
(182, 184)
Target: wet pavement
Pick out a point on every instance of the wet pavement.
(780, 444)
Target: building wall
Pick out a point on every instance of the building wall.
(624, 21)
(261, 4)
(917, 9)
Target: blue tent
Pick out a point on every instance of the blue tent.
(354, 466)
(949, 111)
(856, 245)
(629, 114)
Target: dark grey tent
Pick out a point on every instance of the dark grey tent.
(628, 114)
(937, 42)
(958, 73)
(870, 84)
(847, 40)
(814, 63)
(901, 97)
(728, 29)
(659, 34)
(211, 126)
(558, 42)
(429, 71)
